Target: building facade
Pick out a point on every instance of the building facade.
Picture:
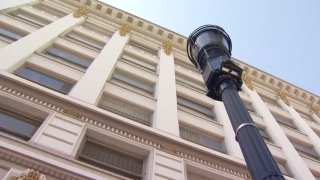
(88, 91)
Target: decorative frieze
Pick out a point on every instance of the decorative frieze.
(212, 165)
(115, 130)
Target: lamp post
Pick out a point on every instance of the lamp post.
(209, 48)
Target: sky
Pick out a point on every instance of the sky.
(280, 37)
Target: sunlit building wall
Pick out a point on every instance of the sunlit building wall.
(88, 91)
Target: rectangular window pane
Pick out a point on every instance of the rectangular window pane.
(69, 57)
(284, 121)
(45, 80)
(143, 49)
(17, 125)
(49, 10)
(38, 21)
(305, 150)
(139, 62)
(136, 85)
(96, 29)
(204, 140)
(198, 109)
(191, 84)
(112, 159)
(85, 40)
(126, 109)
(10, 34)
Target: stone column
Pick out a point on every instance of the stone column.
(295, 163)
(89, 87)
(231, 144)
(166, 114)
(16, 53)
(303, 126)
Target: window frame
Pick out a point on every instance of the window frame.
(65, 89)
(76, 59)
(103, 165)
(27, 119)
(209, 115)
(216, 140)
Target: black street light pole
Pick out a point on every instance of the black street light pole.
(209, 48)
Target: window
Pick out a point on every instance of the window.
(264, 134)
(45, 80)
(284, 121)
(10, 34)
(305, 115)
(131, 83)
(49, 10)
(143, 49)
(305, 149)
(33, 19)
(190, 83)
(17, 125)
(283, 168)
(96, 29)
(195, 109)
(270, 101)
(69, 57)
(201, 139)
(81, 38)
(139, 62)
(126, 109)
(111, 159)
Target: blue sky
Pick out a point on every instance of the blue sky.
(279, 37)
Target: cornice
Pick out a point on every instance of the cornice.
(273, 83)
(120, 126)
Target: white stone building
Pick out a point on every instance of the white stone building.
(88, 91)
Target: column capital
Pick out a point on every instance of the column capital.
(125, 29)
(247, 80)
(81, 11)
(315, 108)
(283, 96)
(167, 46)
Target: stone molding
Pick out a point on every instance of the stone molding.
(42, 167)
(151, 140)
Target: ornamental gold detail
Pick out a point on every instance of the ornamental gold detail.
(30, 174)
(167, 46)
(315, 108)
(247, 80)
(282, 95)
(125, 29)
(81, 11)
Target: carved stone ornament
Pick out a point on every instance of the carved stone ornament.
(82, 11)
(282, 95)
(246, 79)
(315, 108)
(167, 46)
(30, 174)
(125, 29)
